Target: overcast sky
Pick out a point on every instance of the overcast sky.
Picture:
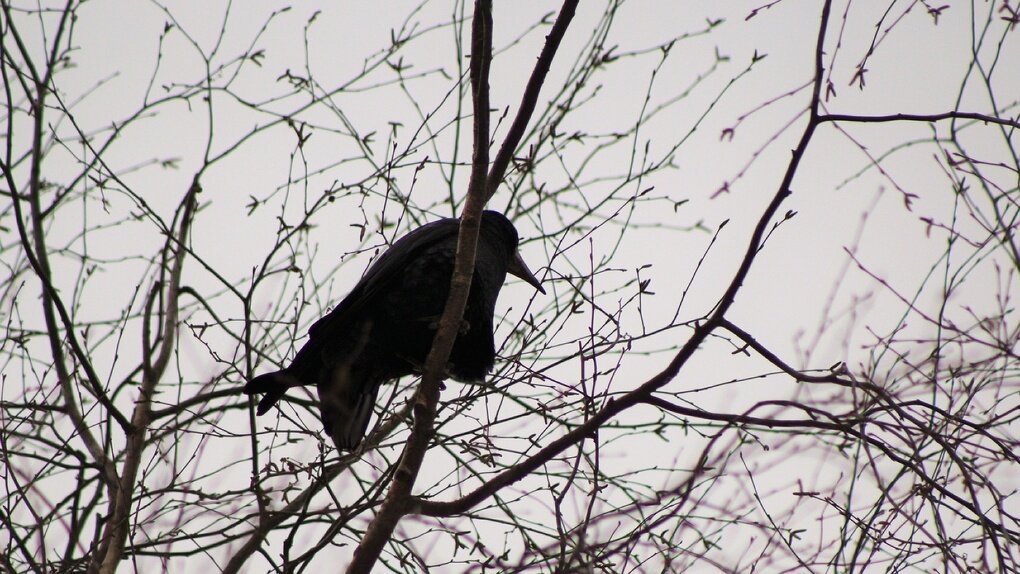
(804, 298)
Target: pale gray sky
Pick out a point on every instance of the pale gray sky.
(918, 67)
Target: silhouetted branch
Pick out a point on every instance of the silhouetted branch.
(530, 98)
(925, 118)
(427, 398)
(115, 533)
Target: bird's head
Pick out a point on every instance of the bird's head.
(497, 224)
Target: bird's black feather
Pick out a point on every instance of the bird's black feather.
(383, 329)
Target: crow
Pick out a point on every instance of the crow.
(383, 328)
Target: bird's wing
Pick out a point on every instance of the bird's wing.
(383, 272)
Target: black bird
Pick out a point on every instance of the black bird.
(383, 328)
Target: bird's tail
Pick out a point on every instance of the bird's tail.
(273, 385)
(346, 405)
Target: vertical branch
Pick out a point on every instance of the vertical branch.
(530, 97)
(155, 361)
(396, 504)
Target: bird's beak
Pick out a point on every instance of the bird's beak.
(518, 268)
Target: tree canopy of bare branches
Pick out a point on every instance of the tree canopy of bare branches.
(779, 243)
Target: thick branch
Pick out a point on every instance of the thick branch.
(117, 526)
(397, 499)
(530, 97)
